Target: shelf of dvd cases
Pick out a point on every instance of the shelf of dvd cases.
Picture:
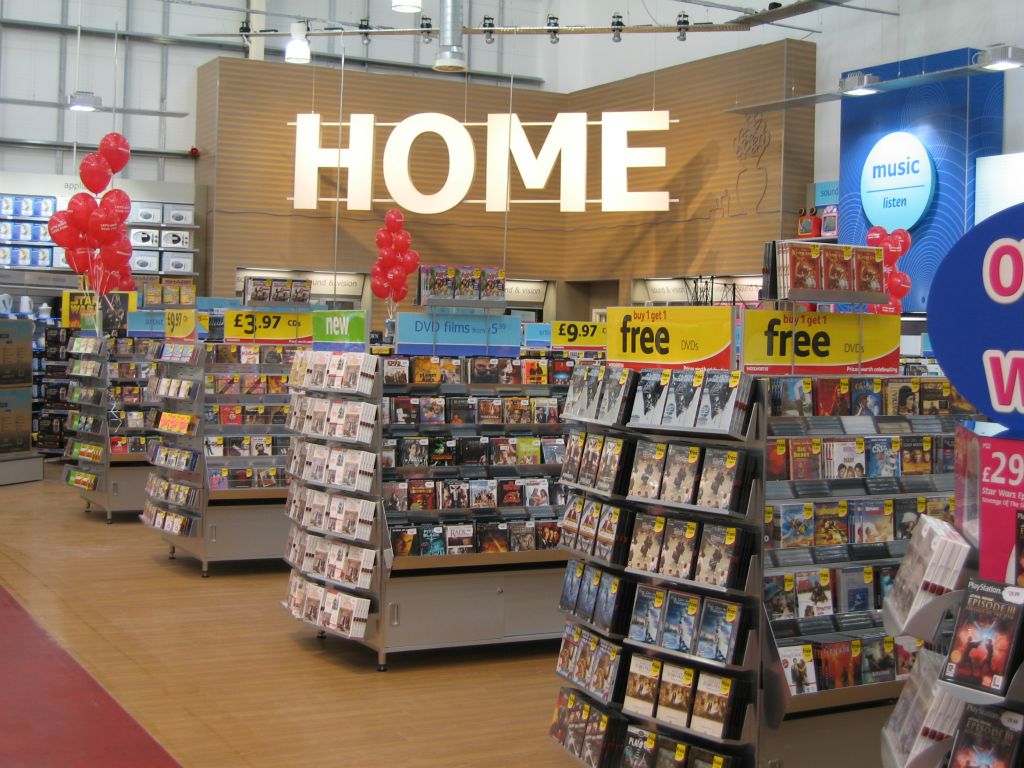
(665, 623)
(221, 411)
(335, 505)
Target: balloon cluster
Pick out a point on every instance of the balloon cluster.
(894, 246)
(395, 259)
(92, 232)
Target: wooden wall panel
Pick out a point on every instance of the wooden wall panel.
(734, 176)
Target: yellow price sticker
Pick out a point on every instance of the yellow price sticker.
(659, 599)
(659, 524)
(726, 686)
(734, 379)
(718, 762)
(692, 606)
(730, 536)
(680, 747)
(859, 442)
(788, 582)
(665, 376)
(579, 570)
(780, 447)
(691, 529)
(572, 699)
(604, 722)
(180, 324)
(915, 385)
(808, 653)
(730, 614)
(922, 505)
(844, 386)
(650, 740)
(896, 443)
(888, 506)
(769, 515)
(877, 385)
(659, 451)
(615, 586)
(623, 375)
(888, 644)
(947, 390)
(694, 455)
(730, 459)
(698, 378)
(855, 647)
(869, 574)
(579, 335)
(808, 510)
(816, 445)
(656, 667)
(927, 442)
(844, 508)
(586, 711)
(826, 576)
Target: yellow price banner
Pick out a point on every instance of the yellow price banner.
(180, 324)
(571, 334)
(267, 327)
(671, 337)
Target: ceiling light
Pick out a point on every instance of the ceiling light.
(682, 24)
(1000, 58)
(84, 101)
(859, 84)
(488, 25)
(617, 26)
(552, 26)
(297, 50)
(407, 6)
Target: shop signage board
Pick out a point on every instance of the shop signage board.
(571, 334)
(78, 309)
(506, 145)
(537, 335)
(146, 324)
(671, 337)
(897, 182)
(267, 327)
(809, 343)
(339, 330)
(181, 324)
(453, 333)
(976, 317)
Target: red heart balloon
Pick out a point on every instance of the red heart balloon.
(104, 227)
(80, 207)
(62, 230)
(402, 241)
(95, 172)
(901, 239)
(899, 284)
(383, 238)
(387, 258)
(395, 276)
(890, 252)
(116, 150)
(876, 235)
(78, 259)
(410, 261)
(394, 220)
(380, 288)
(117, 202)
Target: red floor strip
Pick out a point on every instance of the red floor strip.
(53, 713)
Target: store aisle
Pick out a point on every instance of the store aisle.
(221, 676)
(55, 714)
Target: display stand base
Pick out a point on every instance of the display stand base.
(233, 533)
(23, 467)
(933, 756)
(123, 489)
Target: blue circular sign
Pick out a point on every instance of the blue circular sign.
(897, 182)
(976, 317)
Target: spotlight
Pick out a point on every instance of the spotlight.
(1000, 58)
(552, 26)
(858, 84)
(426, 25)
(407, 6)
(84, 101)
(488, 25)
(617, 27)
(297, 50)
(364, 24)
(682, 24)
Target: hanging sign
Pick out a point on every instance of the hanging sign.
(976, 313)
(805, 343)
(577, 335)
(339, 330)
(897, 182)
(267, 327)
(180, 324)
(671, 337)
(450, 333)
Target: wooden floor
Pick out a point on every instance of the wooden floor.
(222, 676)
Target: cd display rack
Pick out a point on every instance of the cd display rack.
(88, 398)
(843, 495)
(217, 483)
(666, 654)
(113, 446)
(341, 531)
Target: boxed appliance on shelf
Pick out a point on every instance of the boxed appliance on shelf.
(176, 238)
(177, 262)
(145, 213)
(145, 261)
(179, 214)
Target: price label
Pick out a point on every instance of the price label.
(577, 335)
(267, 327)
(180, 324)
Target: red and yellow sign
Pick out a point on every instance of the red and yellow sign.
(671, 337)
(243, 326)
(806, 343)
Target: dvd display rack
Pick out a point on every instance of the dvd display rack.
(87, 394)
(665, 653)
(489, 589)
(851, 464)
(218, 478)
(52, 390)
